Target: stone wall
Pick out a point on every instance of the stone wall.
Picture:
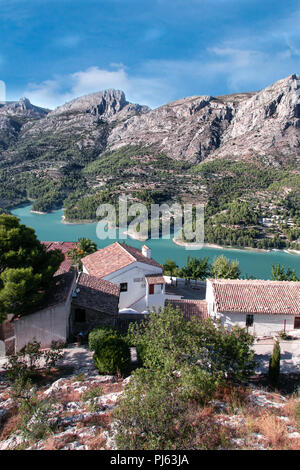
(93, 319)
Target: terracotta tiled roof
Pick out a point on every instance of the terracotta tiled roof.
(114, 257)
(190, 308)
(155, 279)
(257, 297)
(62, 246)
(65, 267)
(65, 247)
(97, 294)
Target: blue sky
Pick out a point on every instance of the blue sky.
(155, 50)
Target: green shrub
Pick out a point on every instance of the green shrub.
(28, 361)
(160, 411)
(112, 356)
(97, 336)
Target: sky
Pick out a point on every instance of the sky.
(156, 51)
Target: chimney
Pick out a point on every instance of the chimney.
(146, 251)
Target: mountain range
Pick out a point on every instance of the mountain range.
(237, 154)
(259, 125)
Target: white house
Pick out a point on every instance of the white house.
(141, 281)
(264, 307)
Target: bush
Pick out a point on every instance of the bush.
(166, 340)
(157, 412)
(97, 336)
(28, 362)
(112, 356)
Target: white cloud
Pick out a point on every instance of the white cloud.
(54, 92)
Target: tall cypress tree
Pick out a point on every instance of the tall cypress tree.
(274, 365)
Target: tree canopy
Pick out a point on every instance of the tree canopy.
(85, 247)
(26, 268)
(183, 364)
(223, 268)
(280, 274)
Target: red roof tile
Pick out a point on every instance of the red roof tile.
(155, 279)
(190, 308)
(65, 247)
(62, 246)
(114, 257)
(257, 297)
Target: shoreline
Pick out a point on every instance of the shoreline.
(135, 237)
(291, 251)
(80, 222)
(176, 241)
(39, 212)
(220, 247)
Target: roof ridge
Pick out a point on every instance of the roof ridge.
(252, 281)
(121, 245)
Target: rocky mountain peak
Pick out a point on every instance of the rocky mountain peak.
(23, 107)
(264, 124)
(106, 103)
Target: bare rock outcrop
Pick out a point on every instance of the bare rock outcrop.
(264, 125)
(268, 123)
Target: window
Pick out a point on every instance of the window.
(80, 315)
(249, 320)
(123, 287)
(297, 323)
(151, 289)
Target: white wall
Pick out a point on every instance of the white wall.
(157, 299)
(264, 325)
(209, 297)
(45, 326)
(136, 288)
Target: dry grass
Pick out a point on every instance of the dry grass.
(53, 443)
(97, 442)
(104, 421)
(272, 428)
(67, 396)
(292, 411)
(11, 424)
(112, 387)
(210, 434)
(234, 396)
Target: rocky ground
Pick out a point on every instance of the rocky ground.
(71, 409)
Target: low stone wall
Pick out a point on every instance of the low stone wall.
(124, 320)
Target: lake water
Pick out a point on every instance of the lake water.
(48, 227)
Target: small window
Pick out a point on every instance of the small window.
(297, 323)
(123, 287)
(249, 320)
(80, 315)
